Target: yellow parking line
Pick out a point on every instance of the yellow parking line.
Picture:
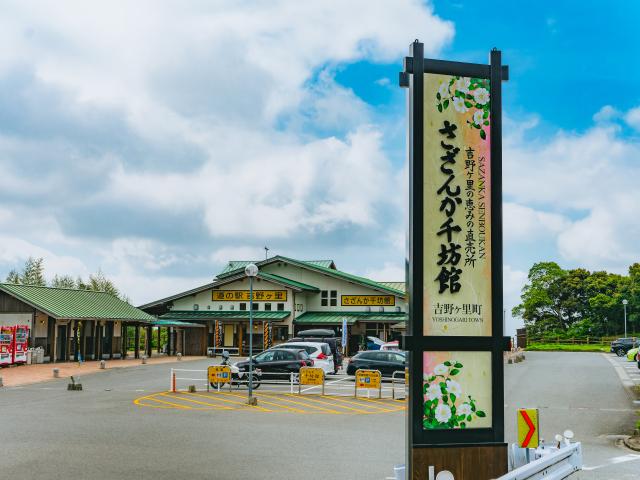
(213, 405)
(351, 402)
(268, 403)
(302, 403)
(325, 401)
(177, 405)
(229, 401)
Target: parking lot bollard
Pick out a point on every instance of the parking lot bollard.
(56, 373)
(103, 364)
(179, 356)
(144, 359)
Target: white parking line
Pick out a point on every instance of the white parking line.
(615, 461)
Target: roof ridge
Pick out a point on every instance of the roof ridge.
(57, 288)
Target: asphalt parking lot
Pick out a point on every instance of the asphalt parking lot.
(125, 423)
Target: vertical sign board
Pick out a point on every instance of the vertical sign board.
(454, 336)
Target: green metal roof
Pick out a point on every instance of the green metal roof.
(346, 276)
(352, 317)
(318, 267)
(75, 304)
(176, 323)
(400, 286)
(223, 314)
(288, 281)
(239, 264)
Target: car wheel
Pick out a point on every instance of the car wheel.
(620, 352)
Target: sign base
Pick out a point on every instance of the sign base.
(478, 462)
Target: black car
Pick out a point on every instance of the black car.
(323, 336)
(385, 361)
(622, 345)
(278, 361)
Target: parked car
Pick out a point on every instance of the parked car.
(280, 361)
(631, 354)
(622, 345)
(323, 336)
(386, 362)
(320, 353)
(391, 346)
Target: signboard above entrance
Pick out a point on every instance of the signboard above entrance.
(368, 300)
(243, 295)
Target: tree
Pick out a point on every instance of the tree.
(13, 276)
(63, 281)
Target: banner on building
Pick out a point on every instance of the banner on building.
(217, 332)
(243, 295)
(368, 300)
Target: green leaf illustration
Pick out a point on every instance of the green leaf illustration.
(458, 365)
(455, 371)
(463, 425)
(438, 96)
(486, 122)
(483, 135)
(468, 104)
(446, 104)
(447, 363)
(468, 418)
(453, 399)
(440, 108)
(486, 113)
(481, 414)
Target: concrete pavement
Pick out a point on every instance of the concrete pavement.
(100, 433)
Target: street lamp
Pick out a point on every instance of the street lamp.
(251, 271)
(624, 303)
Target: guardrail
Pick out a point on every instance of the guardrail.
(555, 465)
(340, 385)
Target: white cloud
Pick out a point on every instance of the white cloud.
(142, 114)
(389, 272)
(606, 114)
(632, 117)
(513, 281)
(525, 223)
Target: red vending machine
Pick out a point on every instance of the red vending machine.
(20, 343)
(6, 345)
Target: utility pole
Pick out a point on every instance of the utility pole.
(266, 253)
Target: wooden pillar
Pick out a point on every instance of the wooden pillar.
(76, 341)
(240, 339)
(99, 351)
(159, 345)
(124, 340)
(54, 342)
(149, 341)
(67, 346)
(179, 341)
(113, 331)
(137, 342)
(96, 341)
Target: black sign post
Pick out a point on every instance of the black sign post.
(458, 437)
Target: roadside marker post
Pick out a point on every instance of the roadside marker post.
(528, 429)
(369, 379)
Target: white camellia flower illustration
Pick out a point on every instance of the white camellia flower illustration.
(444, 89)
(441, 369)
(454, 387)
(462, 84)
(443, 413)
(434, 392)
(458, 104)
(481, 95)
(464, 409)
(478, 117)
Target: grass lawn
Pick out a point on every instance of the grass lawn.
(566, 347)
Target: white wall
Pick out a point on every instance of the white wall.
(16, 319)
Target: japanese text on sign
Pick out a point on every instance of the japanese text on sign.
(371, 300)
(219, 374)
(368, 379)
(311, 376)
(243, 295)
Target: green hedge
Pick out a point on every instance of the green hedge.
(566, 347)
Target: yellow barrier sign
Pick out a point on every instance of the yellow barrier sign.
(219, 374)
(369, 379)
(528, 428)
(311, 376)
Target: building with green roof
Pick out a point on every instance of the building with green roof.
(289, 295)
(69, 323)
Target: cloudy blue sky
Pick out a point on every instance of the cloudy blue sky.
(158, 140)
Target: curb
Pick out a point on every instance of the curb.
(632, 443)
(624, 376)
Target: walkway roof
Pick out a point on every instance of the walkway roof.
(67, 303)
(335, 318)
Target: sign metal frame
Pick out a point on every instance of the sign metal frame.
(414, 342)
